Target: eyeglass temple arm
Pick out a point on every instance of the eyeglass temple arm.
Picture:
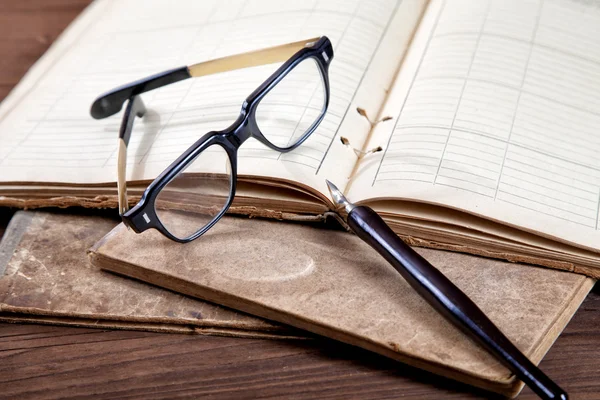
(135, 107)
(111, 102)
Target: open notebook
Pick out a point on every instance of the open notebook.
(490, 148)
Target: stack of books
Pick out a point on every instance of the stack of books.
(485, 113)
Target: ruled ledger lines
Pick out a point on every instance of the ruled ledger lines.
(181, 113)
(504, 105)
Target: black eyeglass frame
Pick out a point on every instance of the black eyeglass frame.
(143, 215)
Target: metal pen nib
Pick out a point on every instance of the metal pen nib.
(338, 197)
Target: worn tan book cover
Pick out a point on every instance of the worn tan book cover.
(331, 283)
(46, 277)
(488, 116)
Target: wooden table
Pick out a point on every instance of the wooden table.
(39, 361)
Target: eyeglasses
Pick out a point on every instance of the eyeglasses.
(196, 190)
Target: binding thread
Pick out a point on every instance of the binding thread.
(359, 153)
(363, 112)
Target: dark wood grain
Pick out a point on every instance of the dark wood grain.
(41, 362)
(51, 362)
(27, 29)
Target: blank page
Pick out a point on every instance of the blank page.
(497, 112)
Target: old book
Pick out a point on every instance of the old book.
(487, 110)
(331, 283)
(42, 285)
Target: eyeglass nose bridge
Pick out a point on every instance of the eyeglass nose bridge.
(248, 128)
(241, 129)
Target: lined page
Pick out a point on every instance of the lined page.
(497, 112)
(49, 136)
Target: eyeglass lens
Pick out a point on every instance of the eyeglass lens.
(197, 195)
(286, 113)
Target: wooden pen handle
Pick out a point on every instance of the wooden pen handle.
(449, 300)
